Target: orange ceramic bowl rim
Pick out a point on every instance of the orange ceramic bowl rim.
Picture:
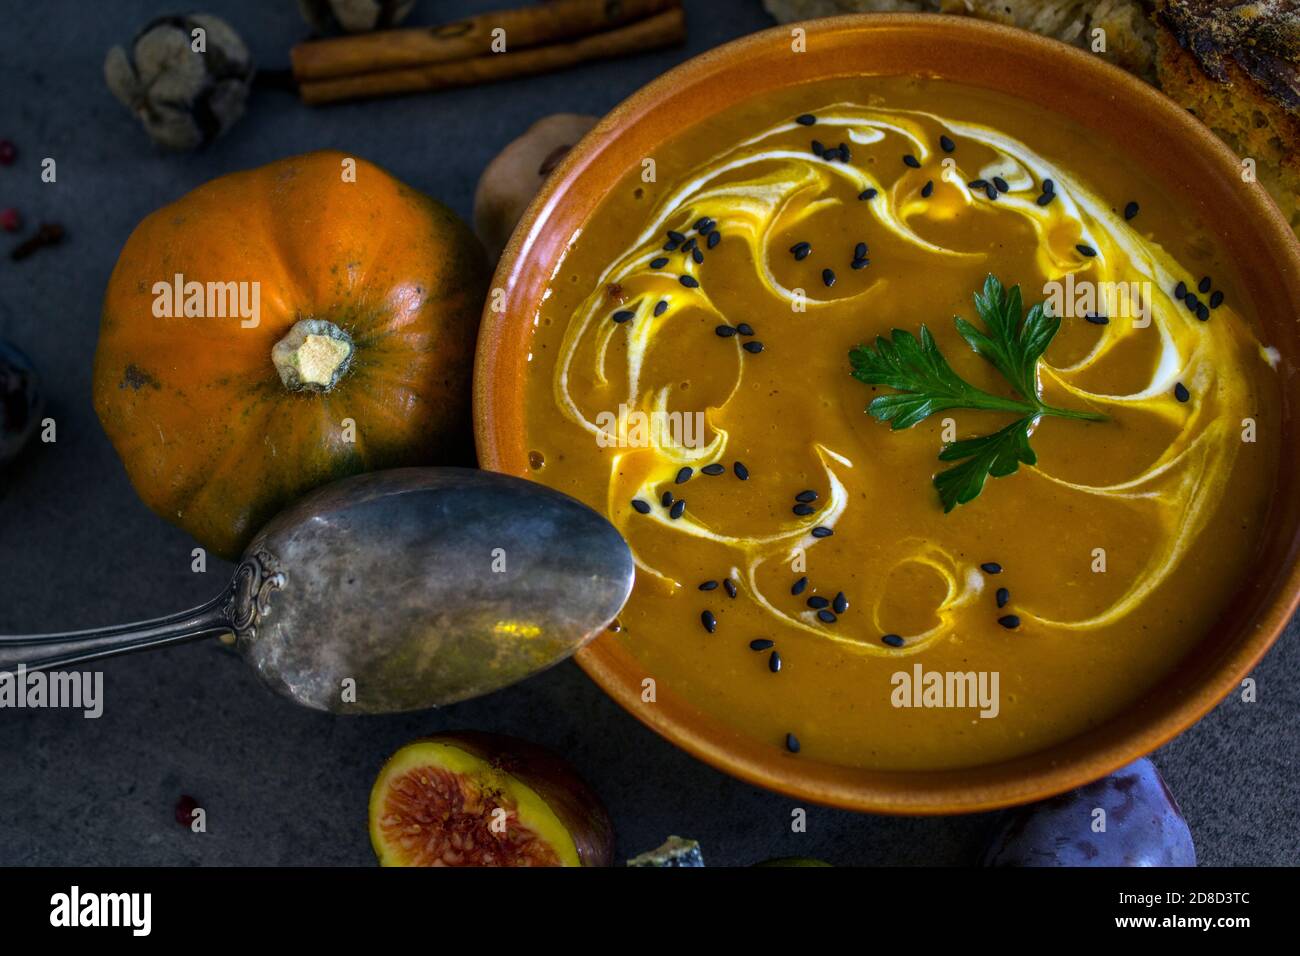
(1176, 149)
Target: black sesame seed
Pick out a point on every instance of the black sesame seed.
(1130, 210)
(1086, 250)
(802, 510)
(640, 507)
(666, 499)
(709, 585)
(946, 144)
(761, 644)
(821, 532)
(893, 640)
(690, 282)
(704, 224)
(817, 602)
(675, 236)
(697, 256)
(1096, 319)
(1181, 393)
(798, 586)
(690, 245)
(860, 251)
(991, 567)
(792, 743)
(671, 246)
(840, 604)
(729, 586)
(774, 661)
(991, 191)
(1203, 312)
(859, 264)
(724, 331)
(1045, 198)
(805, 119)
(744, 328)
(715, 237)
(623, 315)
(753, 347)
(1191, 301)
(684, 474)
(713, 470)
(1009, 621)
(1216, 299)
(977, 184)
(817, 148)
(1001, 184)
(1180, 290)
(1204, 285)
(867, 194)
(928, 189)
(912, 161)
(826, 617)
(1049, 187)
(709, 621)
(800, 250)
(678, 509)
(741, 471)
(828, 277)
(1003, 596)
(808, 495)
(845, 155)
(659, 263)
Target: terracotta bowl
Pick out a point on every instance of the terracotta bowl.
(1176, 150)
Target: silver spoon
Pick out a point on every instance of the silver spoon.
(394, 591)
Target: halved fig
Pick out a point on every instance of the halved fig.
(476, 799)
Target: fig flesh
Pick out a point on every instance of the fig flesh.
(476, 799)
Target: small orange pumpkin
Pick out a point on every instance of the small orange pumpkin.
(279, 328)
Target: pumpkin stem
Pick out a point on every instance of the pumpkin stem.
(313, 356)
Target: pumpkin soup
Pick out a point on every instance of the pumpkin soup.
(938, 430)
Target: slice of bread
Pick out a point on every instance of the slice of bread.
(1116, 30)
(1129, 36)
(1236, 65)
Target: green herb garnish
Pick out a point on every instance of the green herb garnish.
(927, 384)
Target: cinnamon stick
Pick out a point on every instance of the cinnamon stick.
(464, 39)
(654, 32)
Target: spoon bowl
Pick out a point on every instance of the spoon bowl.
(395, 591)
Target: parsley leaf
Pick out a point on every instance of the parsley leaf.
(999, 455)
(923, 376)
(1013, 348)
(927, 384)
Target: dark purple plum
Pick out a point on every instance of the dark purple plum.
(1143, 826)
(20, 401)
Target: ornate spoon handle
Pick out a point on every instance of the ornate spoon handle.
(46, 651)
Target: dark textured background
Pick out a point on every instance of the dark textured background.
(282, 785)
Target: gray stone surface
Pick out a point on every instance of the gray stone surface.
(282, 785)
